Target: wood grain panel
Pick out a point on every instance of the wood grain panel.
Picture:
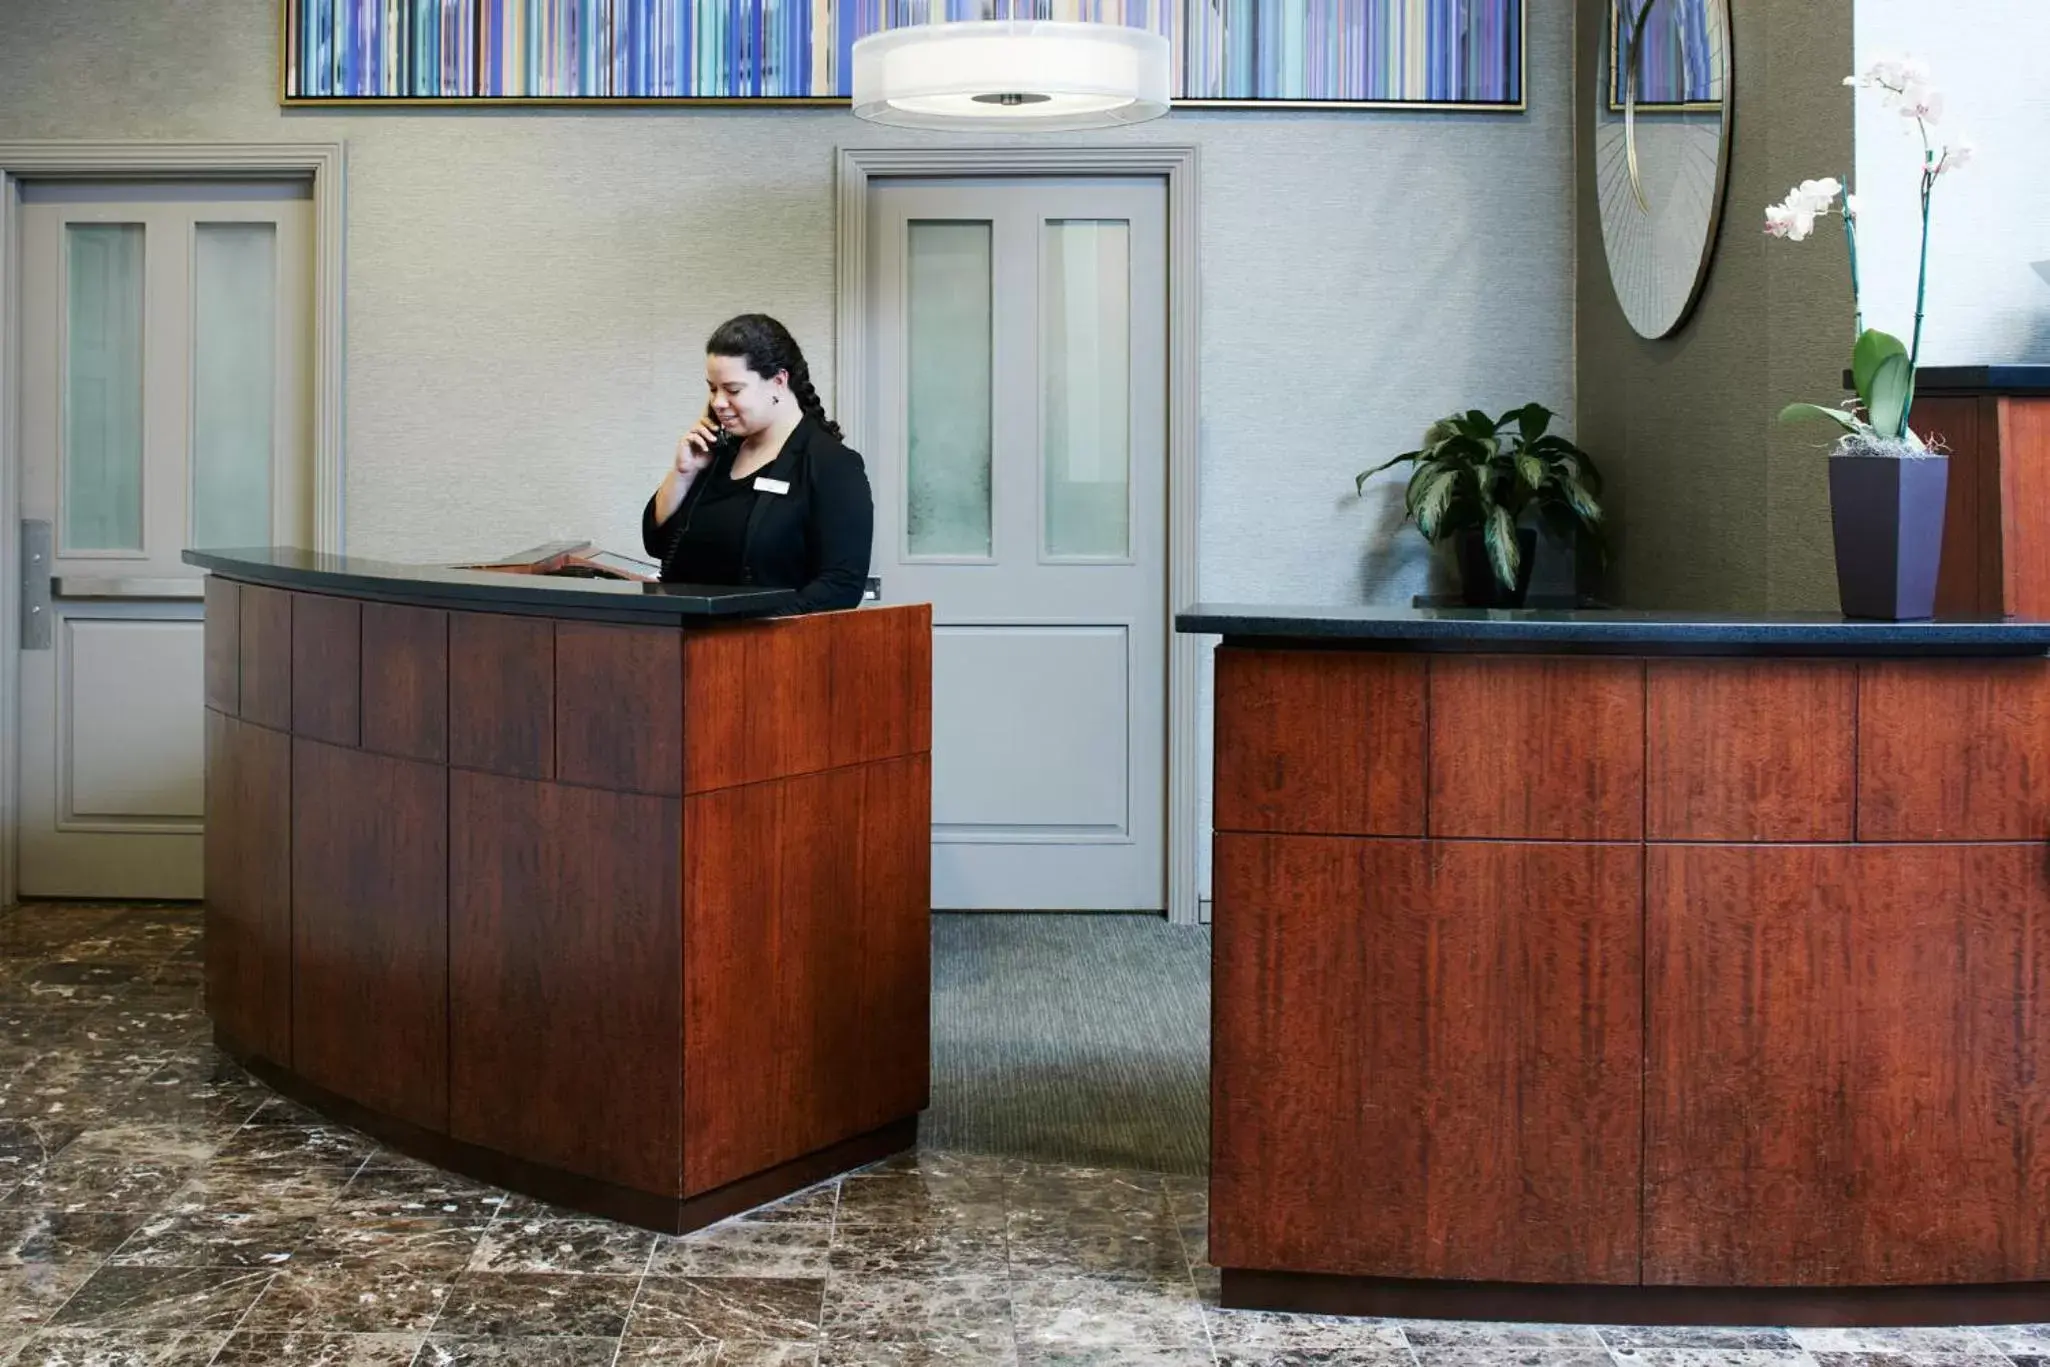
(327, 668)
(266, 655)
(2024, 483)
(795, 695)
(1954, 750)
(1320, 742)
(1750, 749)
(881, 660)
(223, 645)
(1844, 1069)
(1537, 749)
(1968, 577)
(501, 691)
(370, 929)
(619, 707)
(405, 681)
(806, 976)
(1426, 1058)
(566, 977)
(248, 940)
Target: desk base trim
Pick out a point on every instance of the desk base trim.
(648, 1210)
(1317, 1293)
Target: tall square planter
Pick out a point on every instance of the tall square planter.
(1887, 516)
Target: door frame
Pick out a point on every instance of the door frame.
(1177, 165)
(323, 163)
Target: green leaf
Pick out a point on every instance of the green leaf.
(1417, 480)
(1533, 419)
(1500, 534)
(1531, 470)
(1847, 421)
(1432, 502)
(1468, 450)
(1871, 351)
(1580, 501)
(1476, 424)
(1893, 386)
(1360, 484)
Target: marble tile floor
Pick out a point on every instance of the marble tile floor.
(158, 1207)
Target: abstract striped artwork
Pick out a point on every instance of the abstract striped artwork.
(1466, 53)
(1676, 60)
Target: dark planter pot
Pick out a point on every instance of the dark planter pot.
(1887, 516)
(1478, 587)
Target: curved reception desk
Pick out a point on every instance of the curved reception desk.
(594, 890)
(1630, 968)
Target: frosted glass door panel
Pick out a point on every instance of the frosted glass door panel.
(947, 394)
(234, 382)
(102, 456)
(1086, 369)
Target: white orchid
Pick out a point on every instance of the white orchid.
(1882, 365)
(1794, 218)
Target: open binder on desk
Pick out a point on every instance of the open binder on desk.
(573, 560)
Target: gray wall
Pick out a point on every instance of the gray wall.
(1717, 505)
(529, 290)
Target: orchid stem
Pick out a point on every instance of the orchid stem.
(1857, 290)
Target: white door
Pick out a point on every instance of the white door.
(1019, 361)
(166, 343)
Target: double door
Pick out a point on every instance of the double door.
(1018, 330)
(165, 372)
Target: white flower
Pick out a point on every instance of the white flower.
(1924, 102)
(1789, 221)
(1852, 206)
(1892, 74)
(1955, 157)
(1816, 196)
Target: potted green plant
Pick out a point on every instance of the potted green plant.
(1887, 485)
(1474, 481)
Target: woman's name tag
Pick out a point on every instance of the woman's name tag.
(772, 486)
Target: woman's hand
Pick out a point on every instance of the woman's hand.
(693, 457)
(694, 448)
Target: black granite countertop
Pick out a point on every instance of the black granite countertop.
(1613, 632)
(288, 567)
(1978, 379)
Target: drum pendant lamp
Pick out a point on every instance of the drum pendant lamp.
(1010, 75)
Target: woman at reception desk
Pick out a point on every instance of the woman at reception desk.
(612, 892)
(762, 493)
(1627, 967)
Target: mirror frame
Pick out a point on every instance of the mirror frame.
(1725, 141)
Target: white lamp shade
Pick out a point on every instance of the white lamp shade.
(1016, 75)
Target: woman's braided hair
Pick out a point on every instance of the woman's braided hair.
(767, 347)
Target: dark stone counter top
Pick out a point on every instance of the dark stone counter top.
(288, 567)
(1978, 379)
(1613, 632)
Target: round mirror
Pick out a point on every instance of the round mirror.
(1662, 151)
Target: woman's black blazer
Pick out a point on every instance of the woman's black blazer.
(814, 539)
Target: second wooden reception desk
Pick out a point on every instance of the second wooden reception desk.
(1631, 968)
(582, 888)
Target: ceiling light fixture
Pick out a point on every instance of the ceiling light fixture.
(1011, 75)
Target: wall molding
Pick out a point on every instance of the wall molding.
(858, 168)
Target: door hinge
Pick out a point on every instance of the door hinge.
(35, 584)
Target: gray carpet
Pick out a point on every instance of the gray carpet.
(1075, 1039)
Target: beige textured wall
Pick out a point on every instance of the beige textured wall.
(1718, 506)
(529, 290)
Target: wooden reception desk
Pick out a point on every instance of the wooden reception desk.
(592, 890)
(1625, 968)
